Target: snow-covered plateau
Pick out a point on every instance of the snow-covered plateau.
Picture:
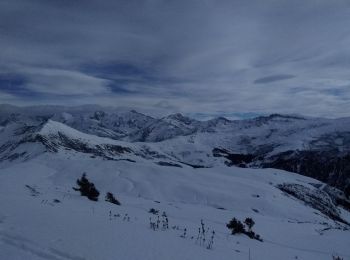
(179, 181)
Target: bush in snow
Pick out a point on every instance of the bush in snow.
(153, 211)
(184, 233)
(165, 221)
(110, 198)
(203, 238)
(252, 235)
(236, 226)
(211, 241)
(87, 188)
(250, 223)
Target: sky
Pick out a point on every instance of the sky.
(204, 58)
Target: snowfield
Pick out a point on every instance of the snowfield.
(314, 147)
(34, 226)
(178, 167)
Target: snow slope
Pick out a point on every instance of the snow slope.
(33, 226)
(315, 147)
(175, 165)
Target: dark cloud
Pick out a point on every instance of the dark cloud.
(273, 78)
(242, 57)
(12, 83)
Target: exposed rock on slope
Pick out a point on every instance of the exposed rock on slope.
(314, 147)
(315, 198)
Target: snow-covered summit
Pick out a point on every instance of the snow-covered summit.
(311, 146)
(177, 165)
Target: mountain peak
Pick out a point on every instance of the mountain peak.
(180, 118)
(282, 116)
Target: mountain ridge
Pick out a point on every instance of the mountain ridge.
(315, 147)
(188, 171)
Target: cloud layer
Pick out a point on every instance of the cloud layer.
(201, 57)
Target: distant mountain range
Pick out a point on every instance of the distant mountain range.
(315, 147)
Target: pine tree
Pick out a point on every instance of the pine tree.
(249, 222)
(110, 198)
(87, 188)
(236, 226)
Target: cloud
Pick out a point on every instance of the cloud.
(272, 78)
(228, 57)
(7, 97)
(64, 82)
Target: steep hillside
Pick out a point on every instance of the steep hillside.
(172, 179)
(314, 147)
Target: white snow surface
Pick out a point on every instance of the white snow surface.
(35, 227)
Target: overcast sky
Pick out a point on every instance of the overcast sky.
(234, 58)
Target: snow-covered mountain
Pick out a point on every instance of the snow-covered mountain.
(314, 147)
(177, 165)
